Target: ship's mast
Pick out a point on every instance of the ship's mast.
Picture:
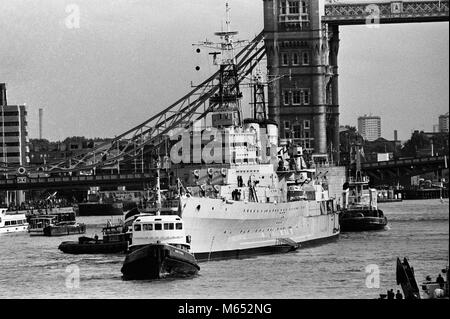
(228, 98)
(259, 97)
(357, 177)
(158, 189)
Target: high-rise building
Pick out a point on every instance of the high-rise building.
(13, 140)
(369, 127)
(13, 132)
(443, 123)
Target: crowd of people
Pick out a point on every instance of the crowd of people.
(38, 204)
(391, 295)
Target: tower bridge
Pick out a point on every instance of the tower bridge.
(301, 43)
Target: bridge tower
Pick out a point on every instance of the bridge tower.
(302, 52)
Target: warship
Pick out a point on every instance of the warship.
(240, 190)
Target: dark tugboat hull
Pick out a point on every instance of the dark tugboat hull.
(359, 221)
(362, 224)
(73, 247)
(157, 261)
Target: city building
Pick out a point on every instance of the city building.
(443, 123)
(369, 127)
(13, 142)
(13, 132)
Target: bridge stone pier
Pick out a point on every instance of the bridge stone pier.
(302, 47)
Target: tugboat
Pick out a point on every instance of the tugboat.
(360, 211)
(160, 248)
(115, 240)
(58, 224)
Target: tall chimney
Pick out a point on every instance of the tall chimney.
(3, 100)
(41, 113)
(395, 135)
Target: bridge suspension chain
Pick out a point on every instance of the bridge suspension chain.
(153, 131)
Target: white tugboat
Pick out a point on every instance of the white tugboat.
(160, 248)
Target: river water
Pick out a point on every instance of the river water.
(33, 267)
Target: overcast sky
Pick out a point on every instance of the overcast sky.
(131, 58)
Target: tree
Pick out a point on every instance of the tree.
(348, 137)
(440, 144)
(421, 142)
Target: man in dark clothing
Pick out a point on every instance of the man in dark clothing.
(390, 294)
(440, 280)
(398, 295)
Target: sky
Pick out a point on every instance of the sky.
(129, 59)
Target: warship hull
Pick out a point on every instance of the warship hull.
(226, 229)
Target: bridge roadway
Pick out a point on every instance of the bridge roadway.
(377, 171)
(407, 167)
(342, 12)
(74, 182)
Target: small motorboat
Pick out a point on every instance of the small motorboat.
(115, 240)
(160, 249)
